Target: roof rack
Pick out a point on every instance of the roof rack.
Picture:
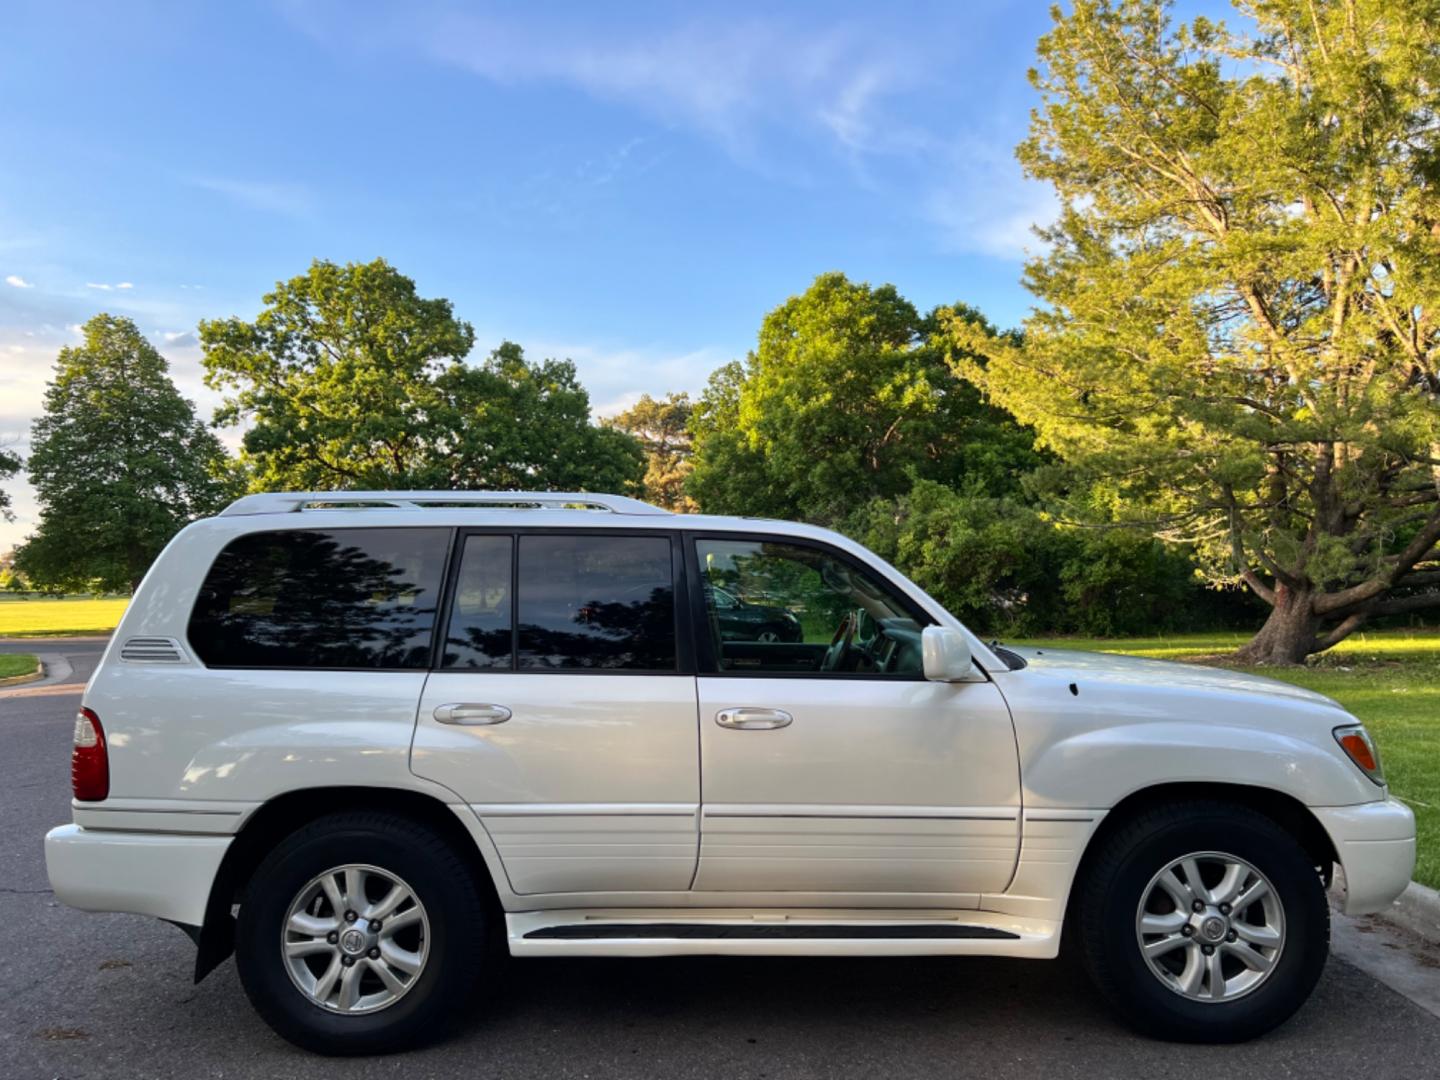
(282, 502)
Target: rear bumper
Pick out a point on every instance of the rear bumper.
(157, 874)
(1376, 846)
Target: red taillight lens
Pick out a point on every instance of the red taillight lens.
(89, 761)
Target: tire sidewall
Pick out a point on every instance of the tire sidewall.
(426, 1007)
(1295, 882)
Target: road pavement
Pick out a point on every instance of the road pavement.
(111, 996)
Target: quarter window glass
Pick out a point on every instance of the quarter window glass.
(307, 598)
(480, 635)
(596, 602)
(778, 607)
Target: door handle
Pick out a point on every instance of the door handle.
(471, 714)
(748, 719)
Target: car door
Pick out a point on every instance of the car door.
(829, 764)
(562, 708)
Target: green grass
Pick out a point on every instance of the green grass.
(58, 617)
(13, 664)
(1390, 680)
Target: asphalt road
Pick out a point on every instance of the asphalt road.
(110, 995)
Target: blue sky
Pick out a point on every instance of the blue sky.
(632, 186)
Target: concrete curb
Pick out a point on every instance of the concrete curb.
(1418, 911)
(21, 680)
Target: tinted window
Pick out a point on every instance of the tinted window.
(480, 634)
(779, 607)
(596, 602)
(342, 598)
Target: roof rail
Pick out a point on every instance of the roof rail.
(282, 502)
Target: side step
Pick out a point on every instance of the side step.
(801, 932)
(793, 932)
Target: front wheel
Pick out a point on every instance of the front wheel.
(1203, 922)
(361, 933)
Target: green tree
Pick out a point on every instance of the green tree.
(1003, 567)
(337, 378)
(119, 463)
(1238, 345)
(9, 466)
(663, 428)
(508, 424)
(848, 396)
(350, 380)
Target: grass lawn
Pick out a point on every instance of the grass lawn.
(47, 617)
(1390, 680)
(12, 664)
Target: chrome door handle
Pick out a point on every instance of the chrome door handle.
(747, 719)
(471, 714)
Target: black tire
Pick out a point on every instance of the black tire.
(439, 877)
(1109, 898)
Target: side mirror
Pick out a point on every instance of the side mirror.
(946, 654)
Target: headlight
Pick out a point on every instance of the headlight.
(1360, 748)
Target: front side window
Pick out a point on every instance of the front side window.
(312, 598)
(595, 602)
(780, 607)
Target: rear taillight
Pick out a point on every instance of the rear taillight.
(89, 761)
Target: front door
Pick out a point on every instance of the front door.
(829, 764)
(561, 711)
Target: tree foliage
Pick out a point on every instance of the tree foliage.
(663, 428)
(349, 379)
(119, 463)
(847, 396)
(1238, 343)
(1002, 567)
(510, 424)
(9, 466)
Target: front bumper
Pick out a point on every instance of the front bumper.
(1375, 843)
(158, 874)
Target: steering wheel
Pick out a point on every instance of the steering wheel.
(841, 643)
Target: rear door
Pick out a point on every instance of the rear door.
(829, 764)
(562, 708)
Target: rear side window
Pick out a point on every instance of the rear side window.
(338, 598)
(596, 602)
(481, 636)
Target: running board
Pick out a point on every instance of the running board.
(630, 932)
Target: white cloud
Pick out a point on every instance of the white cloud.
(616, 375)
(729, 78)
(125, 285)
(273, 197)
(18, 282)
(98, 285)
(986, 206)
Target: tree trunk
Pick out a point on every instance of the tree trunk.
(1289, 634)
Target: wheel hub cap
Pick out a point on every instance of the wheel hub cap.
(1210, 926)
(1213, 928)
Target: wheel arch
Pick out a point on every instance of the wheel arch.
(1285, 810)
(279, 817)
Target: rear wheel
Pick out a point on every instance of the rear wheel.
(362, 933)
(1203, 922)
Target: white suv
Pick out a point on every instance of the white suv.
(362, 738)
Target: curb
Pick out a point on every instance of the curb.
(21, 680)
(1417, 910)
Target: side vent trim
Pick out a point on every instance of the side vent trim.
(152, 650)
